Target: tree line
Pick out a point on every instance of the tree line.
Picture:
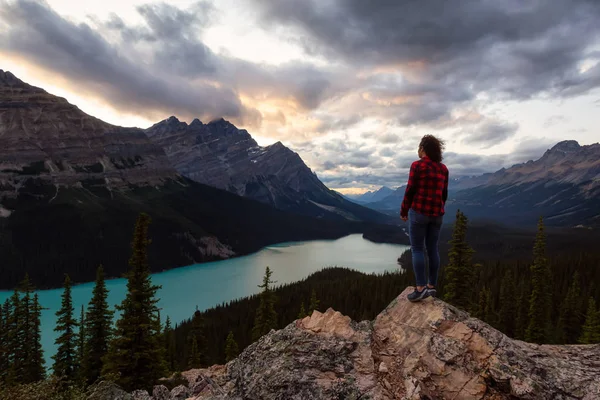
(541, 299)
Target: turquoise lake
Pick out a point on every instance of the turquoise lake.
(209, 284)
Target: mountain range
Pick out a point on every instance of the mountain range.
(220, 155)
(563, 186)
(71, 187)
(372, 196)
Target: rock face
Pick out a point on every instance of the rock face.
(220, 155)
(428, 350)
(44, 137)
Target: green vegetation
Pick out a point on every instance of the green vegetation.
(231, 347)
(266, 316)
(591, 328)
(21, 355)
(65, 360)
(98, 330)
(537, 297)
(540, 302)
(460, 272)
(136, 353)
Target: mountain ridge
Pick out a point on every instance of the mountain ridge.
(220, 155)
(72, 186)
(563, 185)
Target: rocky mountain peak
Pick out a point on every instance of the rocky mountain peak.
(8, 79)
(566, 146)
(196, 123)
(427, 350)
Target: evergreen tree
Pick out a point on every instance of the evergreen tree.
(25, 332)
(302, 313)
(3, 349)
(197, 342)
(65, 359)
(314, 303)
(266, 316)
(36, 368)
(540, 302)
(98, 329)
(6, 355)
(484, 309)
(591, 328)
(15, 329)
(169, 342)
(194, 356)
(569, 322)
(136, 354)
(522, 312)
(231, 347)
(81, 339)
(459, 273)
(508, 307)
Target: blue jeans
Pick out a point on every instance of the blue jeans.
(424, 234)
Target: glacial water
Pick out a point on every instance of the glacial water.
(210, 284)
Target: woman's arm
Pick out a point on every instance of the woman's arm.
(445, 192)
(411, 189)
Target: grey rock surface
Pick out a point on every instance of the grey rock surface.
(428, 350)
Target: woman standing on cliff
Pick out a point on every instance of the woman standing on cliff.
(423, 206)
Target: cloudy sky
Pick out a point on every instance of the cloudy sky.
(351, 85)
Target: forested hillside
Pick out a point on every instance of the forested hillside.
(500, 291)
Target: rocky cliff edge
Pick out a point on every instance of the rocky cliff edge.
(427, 350)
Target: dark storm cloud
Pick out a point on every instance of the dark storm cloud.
(159, 67)
(491, 133)
(448, 52)
(84, 57)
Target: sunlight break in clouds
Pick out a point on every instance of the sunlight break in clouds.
(350, 85)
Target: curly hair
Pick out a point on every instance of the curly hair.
(433, 147)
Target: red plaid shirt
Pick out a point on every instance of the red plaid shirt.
(427, 188)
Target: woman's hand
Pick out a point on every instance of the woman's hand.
(404, 218)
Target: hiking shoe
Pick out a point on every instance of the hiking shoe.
(432, 292)
(418, 296)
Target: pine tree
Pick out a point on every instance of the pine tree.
(314, 303)
(231, 347)
(169, 343)
(3, 349)
(266, 316)
(460, 275)
(508, 307)
(484, 309)
(36, 369)
(197, 342)
(302, 313)
(25, 332)
(98, 329)
(15, 328)
(194, 356)
(522, 312)
(540, 302)
(591, 328)
(7, 353)
(81, 339)
(65, 358)
(136, 354)
(569, 322)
